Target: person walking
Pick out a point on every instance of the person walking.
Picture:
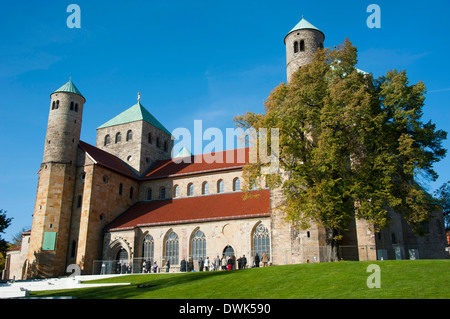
(256, 260)
(230, 263)
(190, 264)
(244, 262)
(183, 265)
(155, 267)
(207, 264)
(265, 259)
(224, 263)
(216, 263)
(201, 264)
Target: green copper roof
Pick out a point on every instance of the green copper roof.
(304, 25)
(69, 87)
(184, 152)
(135, 113)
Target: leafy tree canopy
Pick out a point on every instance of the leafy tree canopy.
(349, 145)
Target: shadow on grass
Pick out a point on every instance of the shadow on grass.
(141, 286)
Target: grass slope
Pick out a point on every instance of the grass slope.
(399, 279)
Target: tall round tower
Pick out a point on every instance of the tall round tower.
(64, 124)
(301, 43)
(48, 245)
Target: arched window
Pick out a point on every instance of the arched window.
(107, 139)
(148, 248)
(295, 47)
(220, 186)
(118, 137)
(176, 191)
(302, 45)
(162, 192)
(53, 105)
(190, 189)
(129, 135)
(76, 107)
(57, 104)
(205, 188)
(199, 245)
(71, 106)
(149, 194)
(150, 138)
(236, 184)
(171, 248)
(261, 240)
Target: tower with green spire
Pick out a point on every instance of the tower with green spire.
(301, 43)
(47, 252)
(136, 137)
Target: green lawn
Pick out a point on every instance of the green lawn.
(346, 279)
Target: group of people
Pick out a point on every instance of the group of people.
(224, 263)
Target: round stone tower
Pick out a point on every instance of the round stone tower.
(301, 43)
(64, 124)
(48, 244)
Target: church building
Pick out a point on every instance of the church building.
(129, 200)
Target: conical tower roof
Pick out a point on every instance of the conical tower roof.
(184, 152)
(69, 87)
(304, 25)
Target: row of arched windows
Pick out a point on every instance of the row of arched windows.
(198, 241)
(190, 189)
(129, 137)
(118, 137)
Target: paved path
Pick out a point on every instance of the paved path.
(22, 288)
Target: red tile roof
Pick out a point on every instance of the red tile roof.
(107, 160)
(204, 163)
(194, 209)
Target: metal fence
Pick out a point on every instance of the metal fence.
(303, 254)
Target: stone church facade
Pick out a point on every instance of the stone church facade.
(126, 200)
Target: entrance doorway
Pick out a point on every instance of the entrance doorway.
(228, 251)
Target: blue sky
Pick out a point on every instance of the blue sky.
(191, 60)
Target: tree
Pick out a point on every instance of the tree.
(442, 194)
(350, 145)
(4, 223)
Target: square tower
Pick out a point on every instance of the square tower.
(136, 137)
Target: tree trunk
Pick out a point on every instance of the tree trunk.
(332, 244)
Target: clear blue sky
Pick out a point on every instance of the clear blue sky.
(208, 60)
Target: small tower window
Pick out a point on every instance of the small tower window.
(129, 135)
(165, 146)
(302, 45)
(80, 200)
(71, 106)
(57, 104)
(150, 138)
(158, 142)
(131, 192)
(295, 47)
(118, 137)
(120, 189)
(53, 105)
(107, 139)
(76, 107)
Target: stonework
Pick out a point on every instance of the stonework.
(83, 189)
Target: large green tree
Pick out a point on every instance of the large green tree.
(4, 223)
(350, 145)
